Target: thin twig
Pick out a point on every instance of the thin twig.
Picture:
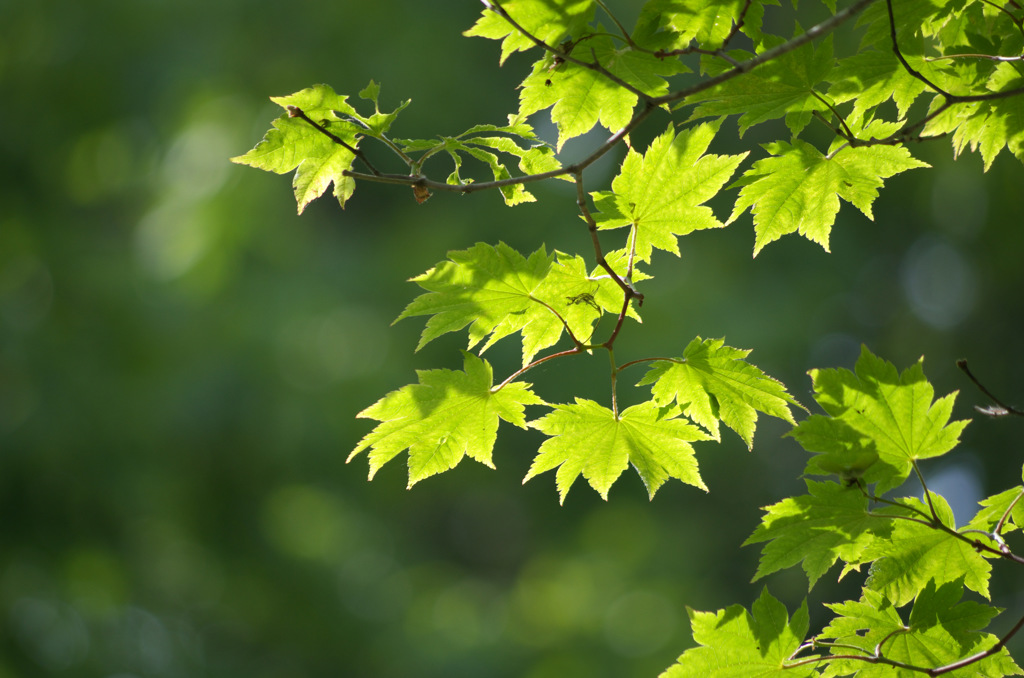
(615, 20)
(1004, 409)
(575, 350)
(296, 112)
(990, 57)
(679, 361)
(899, 55)
(997, 530)
(814, 32)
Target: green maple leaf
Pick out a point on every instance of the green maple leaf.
(589, 439)
(735, 643)
(294, 144)
(550, 21)
(782, 87)
(798, 188)
(987, 126)
(881, 410)
(662, 191)
(841, 450)
(712, 382)
(379, 123)
(581, 97)
(913, 18)
(940, 631)
(582, 298)
(871, 77)
(446, 416)
(498, 292)
(917, 553)
(673, 24)
(1007, 506)
(828, 524)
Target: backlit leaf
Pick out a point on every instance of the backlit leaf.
(713, 382)
(448, 415)
(663, 191)
(589, 439)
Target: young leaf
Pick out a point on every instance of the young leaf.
(580, 97)
(294, 143)
(662, 191)
(447, 416)
(550, 21)
(798, 188)
(782, 86)
(890, 413)
(497, 292)
(589, 439)
(917, 553)
(829, 523)
(735, 643)
(940, 631)
(379, 123)
(713, 382)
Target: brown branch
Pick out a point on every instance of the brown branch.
(1001, 408)
(899, 55)
(515, 375)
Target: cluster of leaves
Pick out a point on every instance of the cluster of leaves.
(921, 69)
(911, 616)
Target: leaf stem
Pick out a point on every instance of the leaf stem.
(515, 375)
(680, 361)
(615, 380)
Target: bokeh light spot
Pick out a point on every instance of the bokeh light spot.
(307, 523)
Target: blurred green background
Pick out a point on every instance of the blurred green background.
(182, 357)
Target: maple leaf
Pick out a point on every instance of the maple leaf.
(581, 97)
(916, 553)
(673, 24)
(798, 188)
(735, 643)
(828, 523)
(713, 382)
(582, 298)
(589, 439)
(498, 292)
(940, 630)
(662, 191)
(445, 417)
(294, 144)
(779, 88)
(987, 126)
(994, 508)
(550, 21)
(871, 77)
(888, 412)
(491, 289)
(377, 124)
(841, 450)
